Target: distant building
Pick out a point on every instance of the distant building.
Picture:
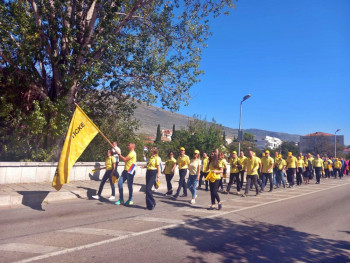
(268, 142)
(166, 135)
(347, 151)
(320, 142)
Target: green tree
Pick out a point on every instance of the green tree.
(159, 134)
(288, 147)
(173, 135)
(248, 137)
(55, 52)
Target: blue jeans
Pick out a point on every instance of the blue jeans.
(130, 179)
(265, 177)
(182, 182)
(192, 183)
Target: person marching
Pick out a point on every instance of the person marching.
(128, 174)
(241, 160)
(169, 170)
(110, 168)
(183, 162)
(291, 169)
(251, 165)
(223, 162)
(326, 165)
(307, 169)
(267, 167)
(193, 178)
(216, 170)
(300, 169)
(280, 165)
(318, 166)
(204, 172)
(116, 149)
(337, 166)
(234, 173)
(152, 173)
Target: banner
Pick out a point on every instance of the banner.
(80, 133)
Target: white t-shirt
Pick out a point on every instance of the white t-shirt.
(115, 154)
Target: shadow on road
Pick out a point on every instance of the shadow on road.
(34, 199)
(251, 241)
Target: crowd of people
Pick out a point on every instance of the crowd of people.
(211, 172)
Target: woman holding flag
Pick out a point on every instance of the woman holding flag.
(128, 174)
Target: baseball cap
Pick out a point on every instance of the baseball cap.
(196, 151)
(182, 148)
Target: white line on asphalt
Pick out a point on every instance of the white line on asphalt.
(157, 219)
(95, 231)
(28, 248)
(103, 242)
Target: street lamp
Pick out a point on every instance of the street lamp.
(240, 135)
(335, 143)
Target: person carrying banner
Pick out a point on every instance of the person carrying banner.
(110, 168)
(128, 174)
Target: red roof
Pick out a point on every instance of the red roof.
(319, 134)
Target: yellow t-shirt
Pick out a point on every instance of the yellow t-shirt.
(223, 162)
(183, 162)
(318, 162)
(169, 164)
(326, 164)
(252, 165)
(212, 168)
(291, 160)
(300, 163)
(241, 162)
(194, 166)
(132, 160)
(153, 162)
(311, 159)
(280, 163)
(337, 164)
(110, 160)
(233, 165)
(266, 164)
(205, 164)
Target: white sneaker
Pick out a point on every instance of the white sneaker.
(193, 201)
(112, 197)
(96, 197)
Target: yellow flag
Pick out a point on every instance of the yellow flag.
(80, 133)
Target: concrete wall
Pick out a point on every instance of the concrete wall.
(38, 172)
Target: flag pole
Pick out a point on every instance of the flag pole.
(104, 137)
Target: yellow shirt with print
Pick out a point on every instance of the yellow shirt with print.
(291, 160)
(252, 165)
(337, 164)
(183, 162)
(233, 165)
(280, 163)
(241, 162)
(153, 162)
(326, 164)
(212, 168)
(300, 163)
(266, 164)
(169, 164)
(194, 166)
(132, 160)
(205, 165)
(318, 162)
(110, 160)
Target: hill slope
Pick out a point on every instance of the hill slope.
(150, 116)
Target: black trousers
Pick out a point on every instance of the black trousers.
(168, 178)
(203, 175)
(182, 182)
(214, 191)
(299, 175)
(290, 176)
(242, 177)
(232, 177)
(151, 176)
(318, 171)
(107, 175)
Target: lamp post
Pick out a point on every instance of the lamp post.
(240, 135)
(335, 143)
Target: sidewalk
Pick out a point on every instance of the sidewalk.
(34, 194)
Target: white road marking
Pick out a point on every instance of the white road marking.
(103, 242)
(29, 248)
(95, 231)
(158, 219)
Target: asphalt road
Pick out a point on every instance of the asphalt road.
(310, 223)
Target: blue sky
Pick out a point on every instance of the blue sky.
(292, 56)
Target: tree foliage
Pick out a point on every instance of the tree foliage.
(55, 52)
